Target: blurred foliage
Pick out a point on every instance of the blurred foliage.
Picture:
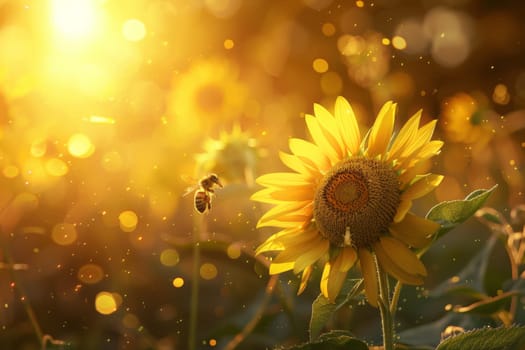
(105, 104)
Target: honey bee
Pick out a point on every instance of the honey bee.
(204, 191)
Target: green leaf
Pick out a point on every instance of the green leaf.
(430, 334)
(449, 214)
(323, 309)
(508, 338)
(469, 281)
(412, 347)
(336, 340)
(488, 305)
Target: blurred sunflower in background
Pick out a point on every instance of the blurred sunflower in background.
(464, 119)
(234, 155)
(210, 93)
(348, 200)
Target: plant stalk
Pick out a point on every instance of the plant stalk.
(198, 228)
(387, 321)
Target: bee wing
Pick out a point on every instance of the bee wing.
(189, 181)
(189, 190)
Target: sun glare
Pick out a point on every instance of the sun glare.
(74, 19)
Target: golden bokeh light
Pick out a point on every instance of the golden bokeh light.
(133, 30)
(399, 42)
(90, 273)
(64, 234)
(56, 167)
(178, 282)
(80, 146)
(501, 95)
(234, 251)
(10, 171)
(128, 221)
(328, 29)
(106, 303)
(38, 148)
(208, 271)
(320, 65)
(99, 119)
(169, 257)
(229, 44)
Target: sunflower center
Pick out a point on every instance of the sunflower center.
(356, 202)
(210, 98)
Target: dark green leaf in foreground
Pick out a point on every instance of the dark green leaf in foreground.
(335, 340)
(451, 213)
(509, 338)
(474, 272)
(323, 309)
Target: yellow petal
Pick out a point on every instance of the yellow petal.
(265, 196)
(295, 236)
(335, 282)
(304, 279)
(294, 242)
(348, 258)
(407, 133)
(324, 279)
(277, 241)
(393, 269)
(283, 180)
(422, 186)
(424, 134)
(368, 269)
(330, 128)
(332, 279)
(430, 149)
(402, 256)
(272, 195)
(408, 174)
(295, 163)
(348, 126)
(309, 153)
(292, 251)
(282, 223)
(326, 143)
(414, 230)
(313, 254)
(302, 207)
(381, 131)
(280, 268)
(402, 209)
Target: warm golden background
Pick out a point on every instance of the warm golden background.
(106, 106)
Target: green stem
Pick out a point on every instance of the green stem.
(387, 322)
(198, 227)
(395, 298)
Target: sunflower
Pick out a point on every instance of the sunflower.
(464, 119)
(210, 90)
(348, 200)
(234, 155)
